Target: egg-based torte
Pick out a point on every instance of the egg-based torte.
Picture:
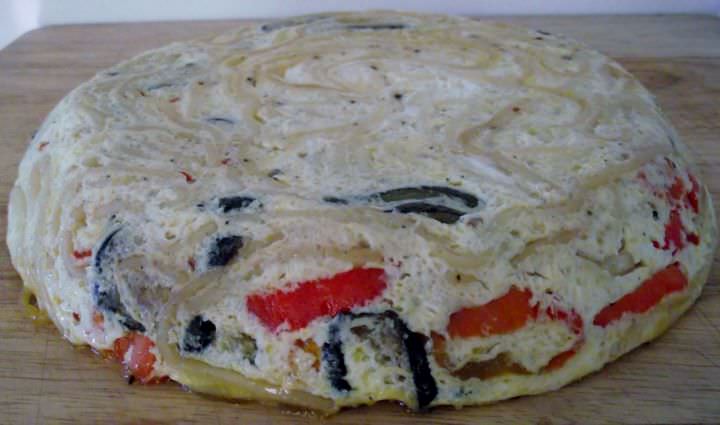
(338, 209)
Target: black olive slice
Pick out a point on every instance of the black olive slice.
(220, 120)
(376, 27)
(433, 209)
(425, 386)
(199, 334)
(232, 203)
(335, 200)
(413, 344)
(333, 357)
(224, 249)
(291, 22)
(424, 192)
(104, 290)
(440, 213)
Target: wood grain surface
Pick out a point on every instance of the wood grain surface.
(673, 380)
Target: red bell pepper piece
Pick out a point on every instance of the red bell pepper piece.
(506, 314)
(79, 255)
(559, 360)
(503, 315)
(679, 197)
(188, 177)
(572, 319)
(317, 298)
(139, 364)
(499, 316)
(674, 232)
(668, 280)
(677, 189)
(575, 323)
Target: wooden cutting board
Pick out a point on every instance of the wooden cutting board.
(675, 379)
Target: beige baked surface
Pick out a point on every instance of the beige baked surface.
(556, 190)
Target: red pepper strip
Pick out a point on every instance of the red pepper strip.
(188, 177)
(504, 315)
(668, 280)
(674, 232)
(317, 298)
(572, 319)
(679, 197)
(559, 360)
(677, 189)
(575, 323)
(140, 363)
(499, 316)
(79, 255)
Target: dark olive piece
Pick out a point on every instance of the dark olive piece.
(413, 343)
(198, 335)
(286, 23)
(224, 249)
(105, 292)
(334, 200)
(220, 120)
(425, 386)
(159, 86)
(131, 324)
(231, 203)
(436, 212)
(291, 22)
(107, 298)
(376, 27)
(423, 192)
(104, 250)
(333, 357)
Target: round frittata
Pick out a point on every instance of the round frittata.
(337, 209)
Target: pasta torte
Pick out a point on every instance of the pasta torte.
(338, 209)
